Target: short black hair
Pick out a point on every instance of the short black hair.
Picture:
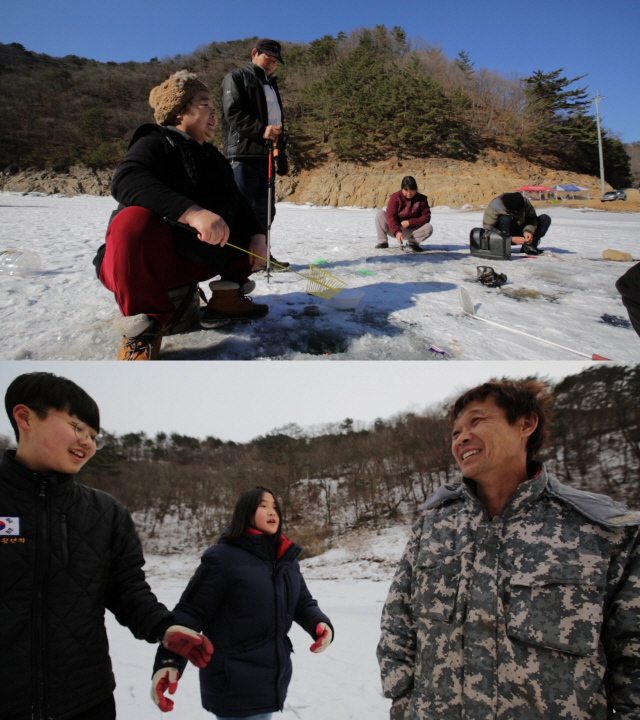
(42, 391)
(518, 398)
(245, 510)
(513, 202)
(409, 182)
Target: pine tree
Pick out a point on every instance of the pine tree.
(549, 104)
(464, 63)
(546, 94)
(346, 103)
(369, 106)
(323, 51)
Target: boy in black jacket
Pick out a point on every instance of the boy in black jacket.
(67, 552)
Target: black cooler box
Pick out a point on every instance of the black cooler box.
(489, 244)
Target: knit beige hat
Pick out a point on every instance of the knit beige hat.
(170, 97)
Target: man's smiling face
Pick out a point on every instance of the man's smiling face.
(484, 444)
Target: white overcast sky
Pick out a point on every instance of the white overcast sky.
(241, 400)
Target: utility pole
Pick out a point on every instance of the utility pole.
(597, 99)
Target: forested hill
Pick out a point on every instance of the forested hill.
(182, 489)
(367, 96)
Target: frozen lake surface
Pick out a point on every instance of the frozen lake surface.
(410, 301)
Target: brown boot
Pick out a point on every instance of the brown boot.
(141, 338)
(228, 304)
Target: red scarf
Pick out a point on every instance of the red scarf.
(282, 548)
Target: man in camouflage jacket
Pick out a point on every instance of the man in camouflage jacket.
(516, 597)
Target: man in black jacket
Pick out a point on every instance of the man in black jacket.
(67, 553)
(252, 118)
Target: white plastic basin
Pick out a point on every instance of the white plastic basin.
(346, 299)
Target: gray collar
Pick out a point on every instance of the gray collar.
(180, 132)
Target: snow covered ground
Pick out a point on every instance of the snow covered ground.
(342, 683)
(410, 301)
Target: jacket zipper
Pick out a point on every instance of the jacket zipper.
(288, 586)
(275, 605)
(64, 540)
(38, 639)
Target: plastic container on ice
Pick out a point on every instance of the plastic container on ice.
(19, 262)
(346, 299)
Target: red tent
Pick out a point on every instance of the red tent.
(536, 190)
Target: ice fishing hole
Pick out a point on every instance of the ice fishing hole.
(319, 342)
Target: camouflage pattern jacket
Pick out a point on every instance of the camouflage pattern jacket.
(534, 614)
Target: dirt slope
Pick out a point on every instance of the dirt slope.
(446, 182)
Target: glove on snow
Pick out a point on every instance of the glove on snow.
(323, 638)
(164, 679)
(188, 644)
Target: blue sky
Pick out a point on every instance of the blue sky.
(515, 38)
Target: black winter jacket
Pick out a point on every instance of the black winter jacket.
(245, 599)
(72, 552)
(167, 172)
(244, 112)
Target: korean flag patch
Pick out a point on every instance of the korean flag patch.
(9, 527)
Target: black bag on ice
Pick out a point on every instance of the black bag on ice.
(489, 244)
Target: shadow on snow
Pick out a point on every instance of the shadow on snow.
(287, 330)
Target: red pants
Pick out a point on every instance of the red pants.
(140, 264)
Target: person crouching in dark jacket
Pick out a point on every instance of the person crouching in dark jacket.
(67, 553)
(171, 173)
(514, 215)
(407, 217)
(244, 597)
(629, 287)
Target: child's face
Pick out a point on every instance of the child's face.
(53, 445)
(266, 518)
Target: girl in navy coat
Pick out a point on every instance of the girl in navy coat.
(244, 597)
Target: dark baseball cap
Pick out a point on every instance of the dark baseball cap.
(270, 47)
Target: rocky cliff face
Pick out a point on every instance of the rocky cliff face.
(78, 181)
(445, 182)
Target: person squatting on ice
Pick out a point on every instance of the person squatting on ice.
(629, 287)
(170, 171)
(516, 597)
(406, 218)
(515, 216)
(67, 553)
(244, 598)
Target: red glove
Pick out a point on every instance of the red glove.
(323, 638)
(164, 679)
(188, 644)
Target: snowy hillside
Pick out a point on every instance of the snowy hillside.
(410, 301)
(342, 683)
